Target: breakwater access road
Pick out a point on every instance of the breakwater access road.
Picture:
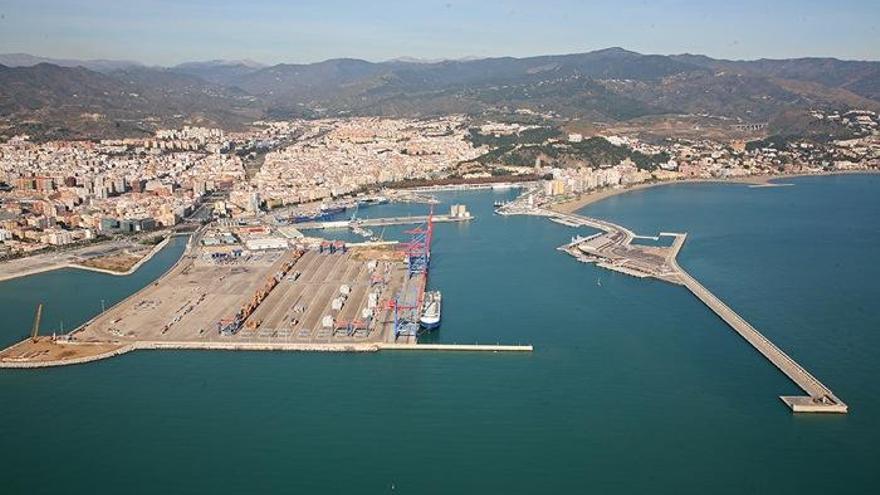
(613, 249)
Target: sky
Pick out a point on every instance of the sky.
(167, 32)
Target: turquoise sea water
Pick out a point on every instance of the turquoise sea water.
(633, 387)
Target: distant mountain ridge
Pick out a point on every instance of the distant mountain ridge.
(610, 84)
(98, 65)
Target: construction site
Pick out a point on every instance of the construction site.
(313, 295)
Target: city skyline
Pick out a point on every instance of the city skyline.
(270, 32)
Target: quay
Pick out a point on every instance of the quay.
(497, 186)
(98, 352)
(455, 347)
(612, 248)
(362, 297)
(380, 222)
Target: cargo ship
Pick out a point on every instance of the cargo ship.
(431, 314)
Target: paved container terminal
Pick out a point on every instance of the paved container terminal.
(191, 301)
(333, 299)
(296, 309)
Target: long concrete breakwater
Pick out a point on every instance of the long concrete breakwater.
(819, 399)
(618, 254)
(255, 346)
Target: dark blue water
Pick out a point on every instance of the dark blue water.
(634, 386)
(71, 296)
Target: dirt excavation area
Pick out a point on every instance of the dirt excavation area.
(118, 262)
(45, 350)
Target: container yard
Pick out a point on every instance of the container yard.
(297, 295)
(245, 288)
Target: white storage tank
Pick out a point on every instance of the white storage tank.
(337, 303)
(327, 321)
(345, 289)
(366, 313)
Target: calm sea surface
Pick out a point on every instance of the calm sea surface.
(634, 387)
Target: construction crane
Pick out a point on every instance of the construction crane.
(36, 330)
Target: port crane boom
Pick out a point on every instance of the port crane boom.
(36, 330)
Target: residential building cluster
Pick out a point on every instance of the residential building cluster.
(63, 192)
(708, 159)
(339, 157)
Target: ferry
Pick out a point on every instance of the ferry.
(562, 221)
(327, 210)
(378, 200)
(431, 315)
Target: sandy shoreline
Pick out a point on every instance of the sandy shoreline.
(583, 200)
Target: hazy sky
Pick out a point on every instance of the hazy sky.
(171, 31)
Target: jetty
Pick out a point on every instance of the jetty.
(613, 249)
(380, 222)
(819, 398)
(50, 354)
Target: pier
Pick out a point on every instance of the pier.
(613, 249)
(380, 222)
(79, 353)
(819, 398)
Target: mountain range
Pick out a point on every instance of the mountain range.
(53, 98)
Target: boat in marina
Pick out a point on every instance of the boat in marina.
(327, 210)
(378, 200)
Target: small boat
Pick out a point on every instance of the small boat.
(378, 200)
(562, 221)
(431, 314)
(303, 218)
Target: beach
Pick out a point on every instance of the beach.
(575, 204)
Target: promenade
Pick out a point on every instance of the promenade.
(379, 222)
